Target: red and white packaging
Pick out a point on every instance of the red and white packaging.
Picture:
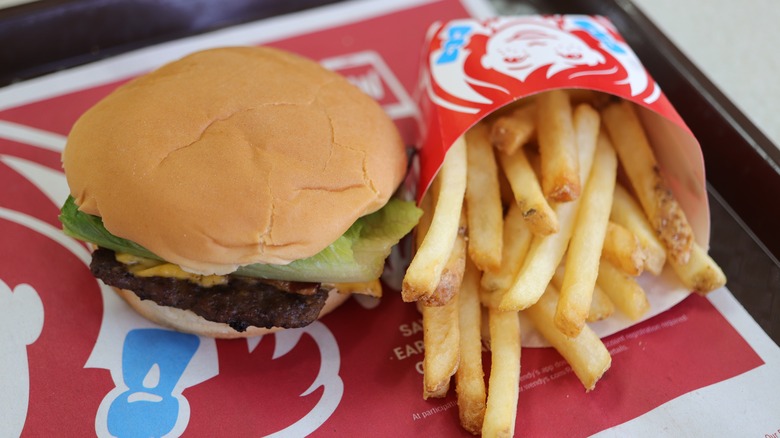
(76, 361)
(472, 67)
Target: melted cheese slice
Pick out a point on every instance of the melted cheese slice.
(371, 288)
(143, 267)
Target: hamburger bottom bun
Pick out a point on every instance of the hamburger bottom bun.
(187, 321)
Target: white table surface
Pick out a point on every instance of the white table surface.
(736, 44)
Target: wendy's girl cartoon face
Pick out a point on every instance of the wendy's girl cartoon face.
(519, 48)
(475, 67)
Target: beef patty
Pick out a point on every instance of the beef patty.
(241, 303)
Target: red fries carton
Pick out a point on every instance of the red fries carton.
(472, 68)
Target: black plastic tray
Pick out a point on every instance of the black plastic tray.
(743, 166)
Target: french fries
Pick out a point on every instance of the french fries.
(470, 377)
(701, 274)
(586, 243)
(452, 274)
(587, 355)
(593, 98)
(517, 239)
(544, 255)
(425, 270)
(622, 249)
(601, 307)
(623, 290)
(483, 198)
(587, 123)
(636, 156)
(551, 235)
(441, 339)
(528, 194)
(513, 131)
(627, 212)
(504, 374)
(546, 252)
(557, 146)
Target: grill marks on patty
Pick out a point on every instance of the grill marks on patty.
(241, 303)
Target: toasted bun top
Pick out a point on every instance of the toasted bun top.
(234, 156)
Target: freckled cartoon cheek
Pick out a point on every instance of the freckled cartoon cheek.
(571, 56)
(512, 55)
(514, 59)
(569, 52)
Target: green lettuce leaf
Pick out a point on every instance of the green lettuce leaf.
(90, 228)
(358, 255)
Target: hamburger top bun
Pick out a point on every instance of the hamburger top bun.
(234, 156)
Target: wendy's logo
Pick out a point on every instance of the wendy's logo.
(475, 66)
(518, 49)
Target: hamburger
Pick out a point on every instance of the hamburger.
(237, 191)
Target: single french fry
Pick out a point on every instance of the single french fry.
(425, 269)
(470, 377)
(441, 340)
(427, 203)
(517, 239)
(546, 252)
(544, 255)
(623, 290)
(507, 197)
(452, 274)
(507, 109)
(627, 212)
(537, 212)
(585, 353)
(483, 199)
(513, 131)
(584, 252)
(594, 98)
(504, 381)
(424, 223)
(557, 146)
(636, 155)
(622, 249)
(587, 125)
(701, 274)
(601, 307)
